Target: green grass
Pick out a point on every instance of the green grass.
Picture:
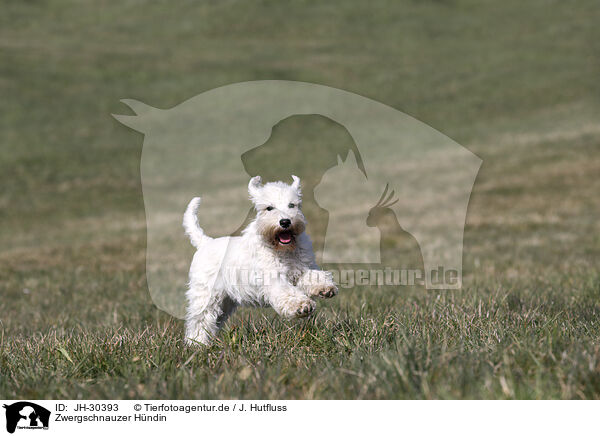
(516, 83)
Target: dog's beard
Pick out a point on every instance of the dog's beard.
(280, 238)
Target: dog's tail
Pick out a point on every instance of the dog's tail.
(191, 225)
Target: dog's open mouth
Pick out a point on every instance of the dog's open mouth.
(285, 238)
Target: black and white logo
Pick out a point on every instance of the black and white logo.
(26, 415)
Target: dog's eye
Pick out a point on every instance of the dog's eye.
(291, 205)
(270, 208)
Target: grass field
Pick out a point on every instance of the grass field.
(515, 82)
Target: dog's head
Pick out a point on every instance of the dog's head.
(279, 217)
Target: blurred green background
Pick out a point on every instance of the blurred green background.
(515, 82)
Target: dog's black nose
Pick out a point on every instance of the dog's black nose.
(285, 223)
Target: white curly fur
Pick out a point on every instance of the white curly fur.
(259, 268)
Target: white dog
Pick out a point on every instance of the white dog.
(271, 264)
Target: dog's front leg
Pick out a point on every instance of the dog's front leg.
(289, 301)
(318, 283)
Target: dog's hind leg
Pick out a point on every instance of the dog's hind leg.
(205, 319)
(228, 306)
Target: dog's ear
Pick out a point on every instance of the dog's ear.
(296, 183)
(254, 185)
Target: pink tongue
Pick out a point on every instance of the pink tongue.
(285, 237)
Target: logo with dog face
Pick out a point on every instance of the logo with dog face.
(26, 415)
(379, 187)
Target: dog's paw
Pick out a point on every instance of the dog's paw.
(324, 291)
(305, 309)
